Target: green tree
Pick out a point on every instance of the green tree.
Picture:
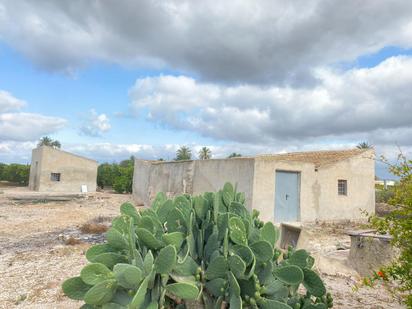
(205, 153)
(124, 182)
(16, 173)
(364, 145)
(2, 169)
(399, 225)
(106, 173)
(47, 141)
(183, 153)
(127, 162)
(119, 176)
(234, 155)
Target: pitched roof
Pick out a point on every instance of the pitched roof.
(318, 158)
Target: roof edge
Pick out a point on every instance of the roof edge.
(69, 153)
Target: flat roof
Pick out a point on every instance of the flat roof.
(318, 158)
(69, 153)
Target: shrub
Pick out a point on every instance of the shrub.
(119, 176)
(398, 223)
(384, 195)
(124, 182)
(206, 251)
(93, 228)
(71, 241)
(15, 173)
(106, 173)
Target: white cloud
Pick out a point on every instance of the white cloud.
(95, 124)
(232, 41)
(16, 152)
(20, 126)
(9, 103)
(373, 103)
(27, 126)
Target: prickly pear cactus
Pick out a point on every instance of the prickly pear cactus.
(206, 251)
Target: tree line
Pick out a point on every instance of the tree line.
(185, 153)
(119, 176)
(15, 173)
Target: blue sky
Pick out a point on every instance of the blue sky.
(98, 86)
(142, 80)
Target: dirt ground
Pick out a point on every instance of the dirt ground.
(37, 251)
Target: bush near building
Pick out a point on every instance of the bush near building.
(384, 195)
(398, 224)
(15, 173)
(119, 176)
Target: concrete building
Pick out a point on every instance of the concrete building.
(54, 170)
(292, 187)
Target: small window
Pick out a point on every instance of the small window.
(55, 176)
(342, 187)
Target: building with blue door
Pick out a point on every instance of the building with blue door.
(290, 187)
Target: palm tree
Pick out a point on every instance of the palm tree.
(205, 153)
(56, 144)
(183, 153)
(47, 141)
(234, 155)
(364, 145)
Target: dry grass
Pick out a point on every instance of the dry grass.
(71, 241)
(93, 228)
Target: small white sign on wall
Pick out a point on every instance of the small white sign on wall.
(84, 188)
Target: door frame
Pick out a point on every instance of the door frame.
(299, 175)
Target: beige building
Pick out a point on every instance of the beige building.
(54, 170)
(292, 187)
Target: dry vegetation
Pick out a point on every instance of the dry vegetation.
(93, 228)
(42, 244)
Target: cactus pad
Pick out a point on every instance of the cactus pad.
(289, 274)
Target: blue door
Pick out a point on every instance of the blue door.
(287, 189)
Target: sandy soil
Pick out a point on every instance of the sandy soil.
(34, 259)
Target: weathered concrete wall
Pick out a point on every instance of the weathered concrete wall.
(368, 254)
(141, 182)
(319, 199)
(75, 171)
(193, 177)
(211, 175)
(35, 168)
(265, 182)
(151, 177)
(359, 171)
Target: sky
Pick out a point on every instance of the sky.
(112, 79)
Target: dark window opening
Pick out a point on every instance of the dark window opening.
(55, 176)
(342, 187)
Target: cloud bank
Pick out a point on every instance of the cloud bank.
(21, 126)
(369, 103)
(264, 41)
